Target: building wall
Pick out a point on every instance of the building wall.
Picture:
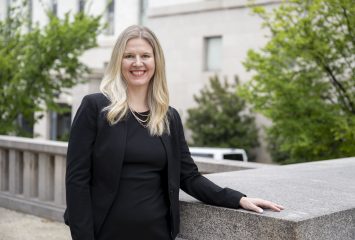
(181, 31)
(126, 14)
(3, 7)
(181, 34)
(172, 3)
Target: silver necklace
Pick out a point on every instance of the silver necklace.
(144, 123)
(143, 115)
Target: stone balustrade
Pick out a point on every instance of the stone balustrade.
(32, 176)
(319, 197)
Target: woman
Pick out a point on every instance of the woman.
(127, 154)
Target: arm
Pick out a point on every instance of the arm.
(198, 186)
(78, 173)
(206, 191)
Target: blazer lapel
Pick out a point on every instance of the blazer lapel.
(116, 139)
(168, 149)
(117, 149)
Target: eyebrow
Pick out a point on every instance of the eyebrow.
(128, 52)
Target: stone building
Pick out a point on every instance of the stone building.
(200, 39)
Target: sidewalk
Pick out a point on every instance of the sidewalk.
(19, 226)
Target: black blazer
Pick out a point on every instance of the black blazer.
(94, 161)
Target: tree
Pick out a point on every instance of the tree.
(304, 79)
(37, 64)
(220, 118)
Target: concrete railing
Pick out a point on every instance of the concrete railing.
(319, 197)
(32, 175)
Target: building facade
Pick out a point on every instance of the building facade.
(200, 39)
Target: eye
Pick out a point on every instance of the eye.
(146, 56)
(129, 56)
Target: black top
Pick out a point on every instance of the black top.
(140, 209)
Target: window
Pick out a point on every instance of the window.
(110, 18)
(30, 10)
(8, 4)
(60, 124)
(25, 125)
(143, 6)
(81, 5)
(213, 53)
(54, 7)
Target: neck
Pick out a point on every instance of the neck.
(137, 99)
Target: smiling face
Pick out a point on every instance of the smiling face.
(138, 64)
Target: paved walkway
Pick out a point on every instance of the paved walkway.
(19, 226)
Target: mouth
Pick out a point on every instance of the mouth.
(137, 73)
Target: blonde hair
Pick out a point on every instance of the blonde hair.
(114, 87)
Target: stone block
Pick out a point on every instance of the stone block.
(208, 165)
(32, 206)
(319, 198)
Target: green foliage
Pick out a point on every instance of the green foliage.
(37, 64)
(221, 119)
(304, 79)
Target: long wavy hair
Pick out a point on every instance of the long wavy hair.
(114, 86)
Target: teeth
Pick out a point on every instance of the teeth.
(137, 73)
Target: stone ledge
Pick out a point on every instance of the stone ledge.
(33, 206)
(207, 165)
(35, 145)
(319, 198)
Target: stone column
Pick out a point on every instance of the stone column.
(59, 179)
(4, 171)
(30, 175)
(15, 172)
(45, 177)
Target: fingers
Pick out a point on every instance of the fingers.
(274, 207)
(255, 208)
(270, 205)
(248, 204)
(279, 206)
(256, 205)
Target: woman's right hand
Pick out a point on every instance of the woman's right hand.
(257, 205)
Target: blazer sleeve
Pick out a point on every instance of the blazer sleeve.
(196, 185)
(78, 172)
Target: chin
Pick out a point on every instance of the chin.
(138, 83)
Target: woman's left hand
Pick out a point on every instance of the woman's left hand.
(257, 205)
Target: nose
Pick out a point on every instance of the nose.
(138, 61)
